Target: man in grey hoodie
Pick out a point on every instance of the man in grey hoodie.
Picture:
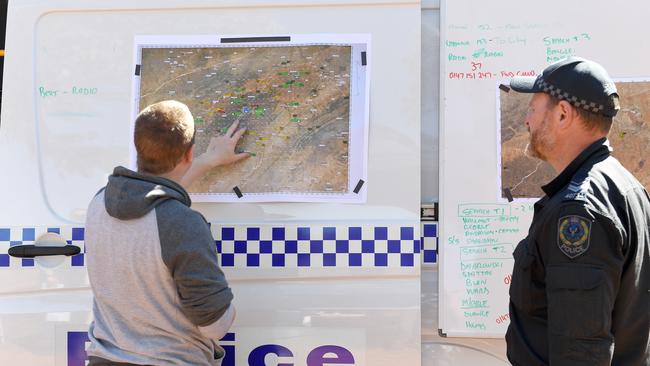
(160, 297)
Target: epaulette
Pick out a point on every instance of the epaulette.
(578, 188)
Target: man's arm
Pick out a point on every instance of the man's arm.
(189, 252)
(583, 260)
(220, 151)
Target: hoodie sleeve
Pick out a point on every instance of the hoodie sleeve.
(188, 250)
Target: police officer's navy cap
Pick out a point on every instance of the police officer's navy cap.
(583, 83)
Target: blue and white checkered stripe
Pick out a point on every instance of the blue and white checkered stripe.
(279, 246)
(318, 246)
(429, 242)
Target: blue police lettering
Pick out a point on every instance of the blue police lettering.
(257, 356)
(325, 355)
(319, 356)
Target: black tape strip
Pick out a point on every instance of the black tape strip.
(441, 333)
(255, 39)
(359, 185)
(363, 58)
(238, 192)
(504, 88)
(508, 194)
(137, 70)
(435, 218)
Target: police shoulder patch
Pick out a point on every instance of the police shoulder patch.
(573, 235)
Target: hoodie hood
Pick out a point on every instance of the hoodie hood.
(131, 195)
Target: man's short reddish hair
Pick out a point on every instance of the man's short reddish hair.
(163, 133)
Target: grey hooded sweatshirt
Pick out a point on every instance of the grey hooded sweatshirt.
(160, 297)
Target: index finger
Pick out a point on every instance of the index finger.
(232, 128)
(239, 134)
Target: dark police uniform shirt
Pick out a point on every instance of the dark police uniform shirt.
(580, 283)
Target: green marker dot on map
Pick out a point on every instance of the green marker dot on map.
(238, 100)
(293, 104)
(288, 84)
(224, 130)
(295, 120)
(198, 121)
(237, 113)
(259, 111)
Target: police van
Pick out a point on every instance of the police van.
(365, 290)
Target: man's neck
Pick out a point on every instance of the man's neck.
(569, 150)
(174, 175)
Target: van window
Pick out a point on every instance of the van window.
(82, 98)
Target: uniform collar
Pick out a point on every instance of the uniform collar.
(598, 148)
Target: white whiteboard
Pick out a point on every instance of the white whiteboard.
(483, 44)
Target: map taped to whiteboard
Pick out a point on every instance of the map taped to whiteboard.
(303, 100)
(523, 175)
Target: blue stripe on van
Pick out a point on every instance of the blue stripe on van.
(429, 243)
(280, 246)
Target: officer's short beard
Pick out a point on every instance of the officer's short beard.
(540, 141)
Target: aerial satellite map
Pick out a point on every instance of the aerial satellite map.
(630, 138)
(294, 102)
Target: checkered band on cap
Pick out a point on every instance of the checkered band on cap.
(575, 101)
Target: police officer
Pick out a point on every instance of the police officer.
(581, 278)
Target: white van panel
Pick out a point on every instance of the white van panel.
(35, 327)
(69, 97)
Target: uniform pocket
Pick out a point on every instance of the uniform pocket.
(576, 305)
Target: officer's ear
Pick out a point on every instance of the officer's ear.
(566, 114)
